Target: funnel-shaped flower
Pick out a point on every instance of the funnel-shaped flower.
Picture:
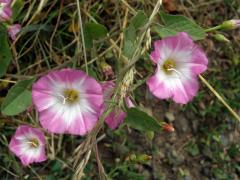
(69, 101)
(178, 61)
(28, 144)
(116, 117)
(5, 10)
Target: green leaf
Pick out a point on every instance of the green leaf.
(141, 121)
(18, 98)
(93, 31)
(36, 27)
(5, 52)
(139, 20)
(164, 32)
(96, 30)
(17, 8)
(56, 167)
(130, 37)
(178, 23)
(130, 33)
(129, 48)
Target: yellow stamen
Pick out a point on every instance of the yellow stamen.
(71, 96)
(33, 143)
(168, 65)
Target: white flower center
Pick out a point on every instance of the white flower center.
(170, 66)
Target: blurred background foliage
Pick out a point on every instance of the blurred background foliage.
(206, 140)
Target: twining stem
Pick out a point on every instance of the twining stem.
(220, 98)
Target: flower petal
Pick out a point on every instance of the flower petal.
(107, 87)
(5, 13)
(181, 89)
(158, 87)
(52, 120)
(184, 92)
(83, 123)
(161, 51)
(200, 61)
(115, 118)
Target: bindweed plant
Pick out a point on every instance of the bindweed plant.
(75, 69)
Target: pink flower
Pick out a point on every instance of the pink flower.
(68, 101)
(116, 117)
(178, 61)
(28, 144)
(5, 10)
(13, 30)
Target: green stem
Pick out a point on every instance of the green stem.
(82, 36)
(212, 29)
(220, 98)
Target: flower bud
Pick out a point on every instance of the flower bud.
(168, 127)
(230, 24)
(221, 38)
(13, 30)
(132, 157)
(143, 158)
(107, 69)
(150, 135)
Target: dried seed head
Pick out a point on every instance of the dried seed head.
(126, 83)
